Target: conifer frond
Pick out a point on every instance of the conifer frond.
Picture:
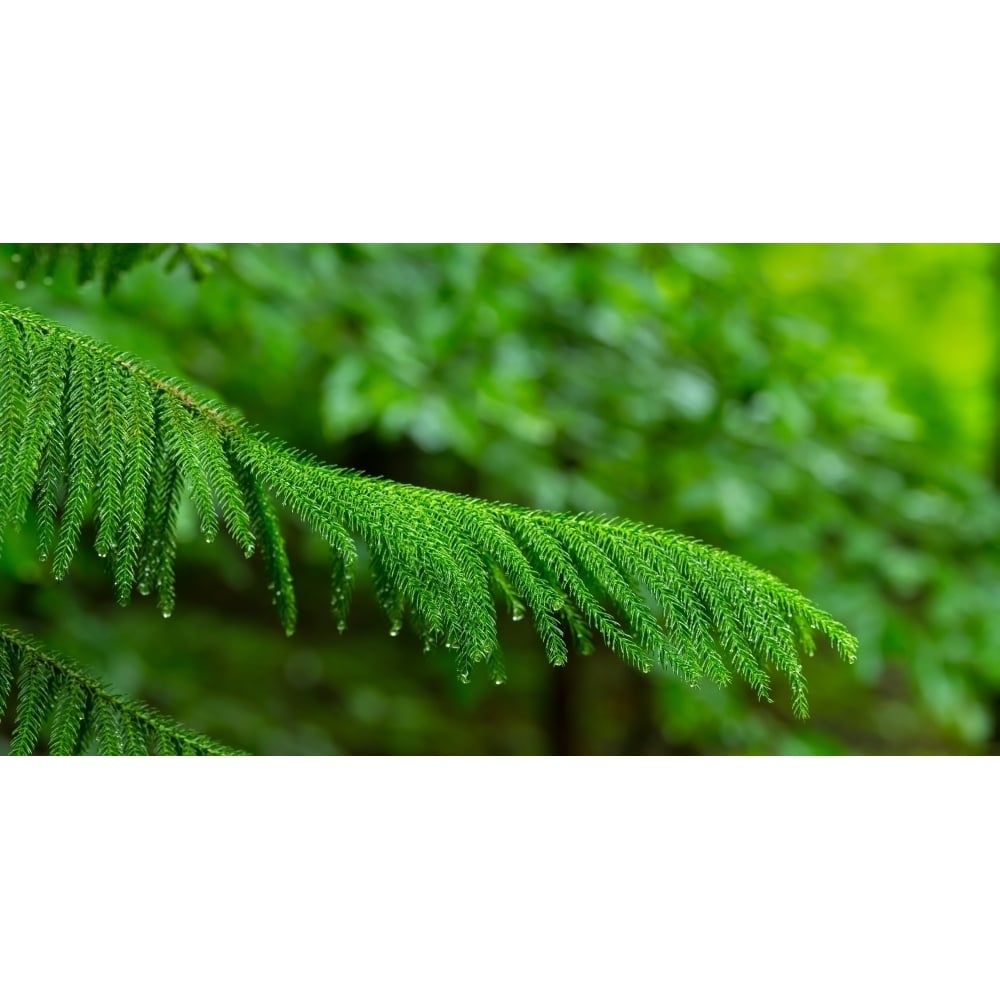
(90, 432)
(55, 698)
(107, 261)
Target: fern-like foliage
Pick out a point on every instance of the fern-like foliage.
(56, 699)
(88, 433)
(107, 261)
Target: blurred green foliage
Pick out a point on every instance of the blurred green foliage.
(827, 412)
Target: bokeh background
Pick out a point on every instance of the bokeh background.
(827, 412)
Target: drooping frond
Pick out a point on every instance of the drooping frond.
(54, 698)
(107, 261)
(91, 433)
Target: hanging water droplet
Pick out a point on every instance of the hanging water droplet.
(341, 626)
(518, 614)
(395, 630)
(498, 681)
(427, 647)
(167, 614)
(143, 588)
(447, 645)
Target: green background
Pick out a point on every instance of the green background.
(827, 412)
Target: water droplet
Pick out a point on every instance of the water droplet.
(427, 647)
(395, 630)
(498, 681)
(341, 626)
(447, 645)
(19, 285)
(518, 614)
(167, 614)
(16, 258)
(143, 588)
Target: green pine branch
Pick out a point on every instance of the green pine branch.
(56, 698)
(107, 262)
(87, 433)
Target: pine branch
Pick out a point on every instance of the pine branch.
(441, 560)
(107, 261)
(55, 697)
